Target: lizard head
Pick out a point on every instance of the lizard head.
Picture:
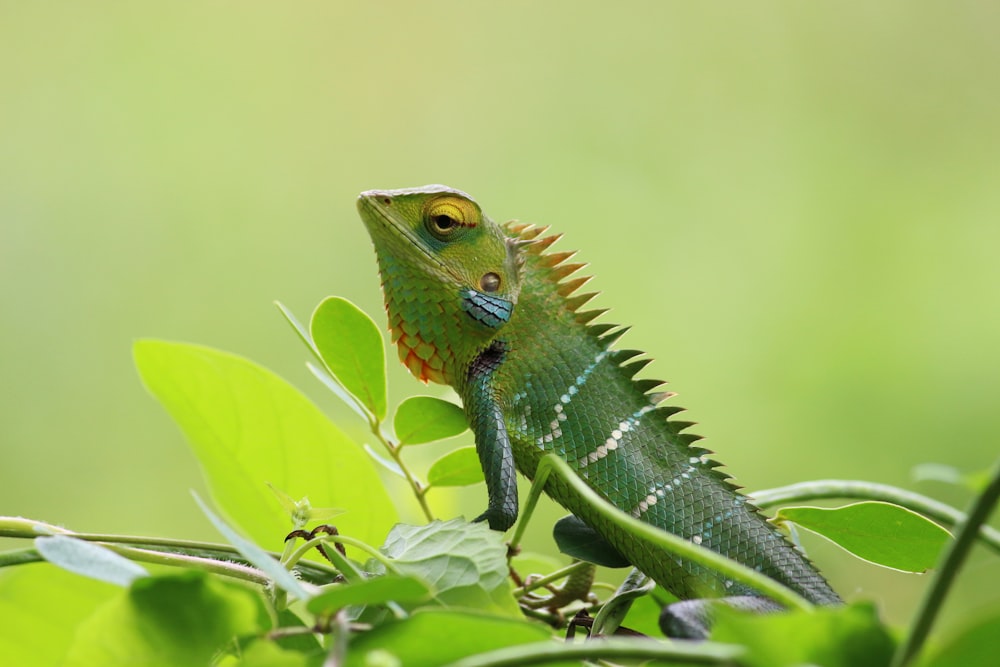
(450, 276)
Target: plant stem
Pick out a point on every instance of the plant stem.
(419, 490)
(846, 488)
(184, 553)
(552, 577)
(688, 653)
(951, 562)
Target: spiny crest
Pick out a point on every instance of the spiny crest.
(531, 241)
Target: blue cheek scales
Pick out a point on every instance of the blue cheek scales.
(492, 311)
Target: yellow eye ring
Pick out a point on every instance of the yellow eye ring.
(445, 215)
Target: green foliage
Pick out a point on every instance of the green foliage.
(974, 645)
(878, 532)
(421, 419)
(459, 467)
(180, 619)
(431, 638)
(433, 594)
(465, 563)
(351, 346)
(850, 636)
(377, 590)
(249, 427)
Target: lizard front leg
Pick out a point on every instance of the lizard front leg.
(492, 443)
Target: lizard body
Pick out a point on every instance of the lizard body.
(489, 310)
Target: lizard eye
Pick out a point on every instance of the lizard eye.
(490, 282)
(443, 223)
(446, 215)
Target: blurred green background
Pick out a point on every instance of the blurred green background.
(797, 206)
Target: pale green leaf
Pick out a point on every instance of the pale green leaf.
(449, 553)
(323, 375)
(352, 349)
(299, 328)
(465, 563)
(259, 558)
(460, 467)
(89, 559)
(249, 427)
(879, 532)
(421, 419)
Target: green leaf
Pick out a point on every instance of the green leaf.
(353, 349)
(259, 558)
(974, 645)
(435, 637)
(421, 419)
(376, 590)
(881, 533)
(89, 559)
(448, 554)
(262, 653)
(577, 539)
(41, 607)
(465, 563)
(248, 427)
(299, 329)
(323, 375)
(182, 619)
(460, 467)
(849, 636)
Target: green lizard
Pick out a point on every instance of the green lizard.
(490, 311)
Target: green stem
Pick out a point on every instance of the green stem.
(550, 578)
(540, 653)
(181, 553)
(305, 547)
(845, 488)
(951, 562)
(227, 568)
(419, 490)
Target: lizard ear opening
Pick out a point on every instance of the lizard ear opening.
(490, 282)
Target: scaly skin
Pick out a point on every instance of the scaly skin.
(487, 310)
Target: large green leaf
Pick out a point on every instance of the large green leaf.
(182, 619)
(422, 419)
(882, 533)
(41, 607)
(353, 349)
(249, 427)
(459, 467)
